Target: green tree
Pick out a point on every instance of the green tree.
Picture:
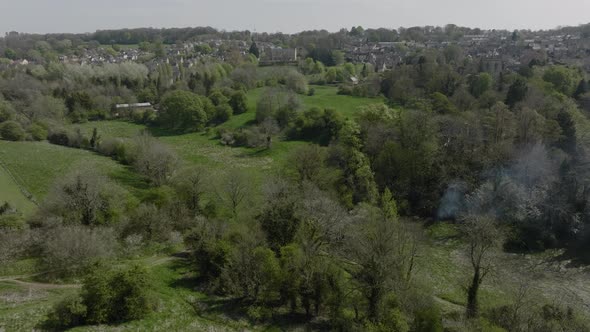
(239, 102)
(183, 110)
(516, 92)
(203, 49)
(12, 131)
(562, 78)
(107, 296)
(254, 50)
(278, 219)
(581, 89)
(10, 54)
(441, 104)
(480, 84)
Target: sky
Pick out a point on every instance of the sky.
(289, 16)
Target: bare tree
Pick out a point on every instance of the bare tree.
(190, 184)
(153, 159)
(77, 198)
(324, 220)
(269, 128)
(483, 239)
(234, 190)
(308, 162)
(377, 261)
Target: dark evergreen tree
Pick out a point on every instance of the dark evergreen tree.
(581, 89)
(254, 50)
(516, 92)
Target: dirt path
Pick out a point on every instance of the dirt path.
(450, 306)
(149, 262)
(38, 285)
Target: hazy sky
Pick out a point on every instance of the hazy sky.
(286, 15)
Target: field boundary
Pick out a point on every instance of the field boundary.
(21, 187)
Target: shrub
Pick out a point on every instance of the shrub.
(38, 132)
(12, 221)
(184, 110)
(68, 313)
(239, 102)
(345, 90)
(223, 113)
(84, 197)
(428, 320)
(153, 159)
(131, 300)
(295, 81)
(69, 251)
(150, 223)
(77, 140)
(12, 131)
(107, 296)
(59, 137)
(112, 147)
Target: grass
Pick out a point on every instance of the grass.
(324, 97)
(39, 164)
(10, 192)
(204, 148)
(23, 308)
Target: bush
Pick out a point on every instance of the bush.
(428, 320)
(239, 102)
(68, 313)
(84, 197)
(153, 159)
(184, 110)
(150, 223)
(107, 296)
(38, 132)
(59, 137)
(223, 113)
(115, 148)
(69, 251)
(295, 81)
(12, 131)
(12, 221)
(345, 90)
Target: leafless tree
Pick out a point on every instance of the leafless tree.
(377, 261)
(234, 190)
(483, 238)
(190, 184)
(153, 159)
(269, 128)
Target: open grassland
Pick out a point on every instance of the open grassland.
(324, 97)
(39, 164)
(205, 149)
(11, 192)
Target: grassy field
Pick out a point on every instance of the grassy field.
(39, 164)
(324, 97)
(12, 194)
(204, 148)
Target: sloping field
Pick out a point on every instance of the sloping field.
(11, 192)
(38, 164)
